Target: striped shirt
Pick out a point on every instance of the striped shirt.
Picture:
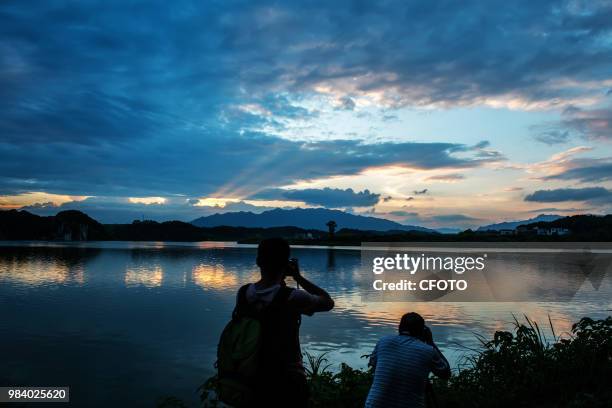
(401, 366)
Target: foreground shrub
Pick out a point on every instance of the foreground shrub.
(347, 388)
(514, 369)
(523, 369)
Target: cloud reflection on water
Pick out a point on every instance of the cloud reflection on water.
(147, 276)
(38, 272)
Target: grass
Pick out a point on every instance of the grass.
(522, 368)
(525, 369)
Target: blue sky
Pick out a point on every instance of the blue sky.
(172, 111)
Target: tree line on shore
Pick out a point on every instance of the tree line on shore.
(74, 225)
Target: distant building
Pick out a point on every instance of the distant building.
(524, 229)
(553, 231)
(507, 232)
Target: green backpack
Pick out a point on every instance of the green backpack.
(237, 360)
(241, 349)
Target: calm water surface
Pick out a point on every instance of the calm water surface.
(126, 323)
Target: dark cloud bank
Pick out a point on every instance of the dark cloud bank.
(139, 98)
(327, 197)
(596, 195)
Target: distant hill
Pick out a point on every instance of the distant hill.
(182, 231)
(74, 225)
(77, 226)
(156, 231)
(306, 218)
(513, 224)
(68, 225)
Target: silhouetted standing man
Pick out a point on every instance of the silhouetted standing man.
(281, 378)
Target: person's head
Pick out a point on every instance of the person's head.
(413, 324)
(273, 257)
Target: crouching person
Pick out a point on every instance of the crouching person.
(402, 364)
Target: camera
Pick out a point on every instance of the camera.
(426, 336)
(292, 267)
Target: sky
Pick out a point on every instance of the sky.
(441, 114)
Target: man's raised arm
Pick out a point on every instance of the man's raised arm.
(325, 302)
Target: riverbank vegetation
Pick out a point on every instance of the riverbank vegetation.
(522, 368)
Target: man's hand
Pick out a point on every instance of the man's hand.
(441, 365)
(428, 336)
(293, 269)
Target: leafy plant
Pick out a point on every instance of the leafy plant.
(525, 369)
(522, 368)
(317, 365)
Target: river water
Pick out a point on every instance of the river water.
(124, 324)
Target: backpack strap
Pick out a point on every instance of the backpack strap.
(240, 302)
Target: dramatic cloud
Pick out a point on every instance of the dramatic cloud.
(587, 194)
(327, 197)
(593, 124)
(558, 210)
(117, 210)
(590, 124)
(346, 103)
(401, 213)
(586, 170)
(455, 219)
(550, 135)
(424, 53)
(94, 102)
(433, 221)
(447, 178)
(200, 99)
(198, 163)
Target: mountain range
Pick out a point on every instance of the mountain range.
(307, 218)
(74, 225)
(510, 225)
